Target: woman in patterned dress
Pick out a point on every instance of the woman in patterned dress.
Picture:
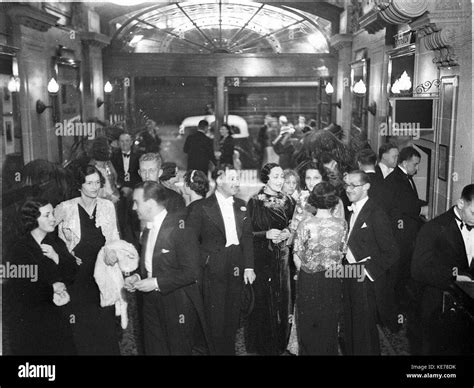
(318, 252)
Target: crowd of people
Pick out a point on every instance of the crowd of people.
(311, 264)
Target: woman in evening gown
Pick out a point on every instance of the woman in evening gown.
(86, 223)
(270, 212)
(319, 246)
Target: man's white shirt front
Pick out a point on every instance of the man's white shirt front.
(356, 208)
(154, 227)
(126, 162)
(385, 169)
(227, 209)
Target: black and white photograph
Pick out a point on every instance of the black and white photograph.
(224, 178)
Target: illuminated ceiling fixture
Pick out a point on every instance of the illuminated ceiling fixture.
(136, 39)
(108, 87)
(359, 88)
(329, 89)
(402, 84)
(53, 86)
(14, 85)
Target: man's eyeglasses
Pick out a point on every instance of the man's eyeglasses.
(352, 186)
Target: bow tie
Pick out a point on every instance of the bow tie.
(468, 227)
(351, 208)
(126, 155)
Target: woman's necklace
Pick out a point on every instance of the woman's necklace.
(89, 209)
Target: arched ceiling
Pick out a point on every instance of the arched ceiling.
(215, 26)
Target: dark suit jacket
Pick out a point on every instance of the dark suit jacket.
(175, 202)
(227, 149)
(377, 190)
(206, 220)
(375, 240)
(152, 144)
(133, 167)
(37, 325)
(175, 257)
(403, 205)
(439, 250)
(200, 152)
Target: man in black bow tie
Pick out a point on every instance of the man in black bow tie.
(444, 252)
(371, 247)
(404, 209)
(125, 163)
(227, 257)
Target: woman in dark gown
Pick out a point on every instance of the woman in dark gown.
(33, 314)
(86, 224)
(318, 251)
(270, 211)
(226, 146)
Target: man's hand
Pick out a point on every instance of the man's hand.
(129, 283)
(111, 258)
(50, 253)
(59, 287)
(273, 234)
(146, 285)
(249, 276)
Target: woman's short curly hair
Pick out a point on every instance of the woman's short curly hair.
(311, 165)
(82, 171)
(197, 181)
(30, 212)
(323, 196)
(265, 171)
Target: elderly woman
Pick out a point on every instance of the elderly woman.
(39, 324)
(86, 224)
(318, 250)
(291, 186)
(270, 212)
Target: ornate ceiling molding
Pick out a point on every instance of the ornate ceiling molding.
(32, 17)
(392, 12)
(438, 39)
(95, 39)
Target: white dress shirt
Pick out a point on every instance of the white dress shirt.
(154, 227)
(356, 208)
(385, 169)
(468, 237)
(227, 209)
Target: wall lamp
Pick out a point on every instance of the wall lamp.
(53, 88)
(107, 89)
(329, 89)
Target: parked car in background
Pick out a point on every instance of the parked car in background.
(240, 133)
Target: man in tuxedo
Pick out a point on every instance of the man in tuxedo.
(384, 292)
(444, 252)
(388, 158)
(200, 149)
(226, 249)
(404, 210)
(167, 277)
(372, 246)
(126, 165)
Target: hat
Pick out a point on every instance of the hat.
(247, 301)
